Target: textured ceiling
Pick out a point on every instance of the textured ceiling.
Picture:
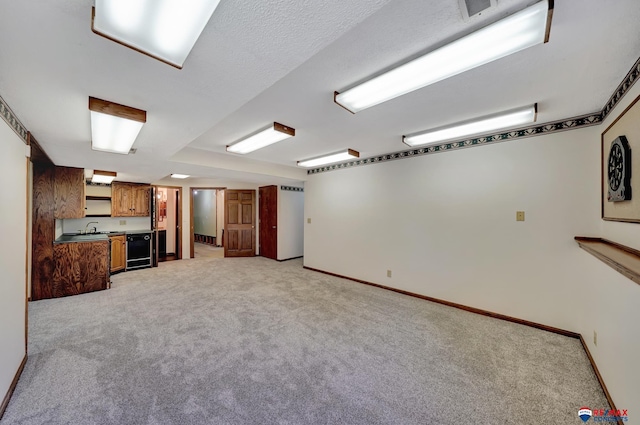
(277, 60)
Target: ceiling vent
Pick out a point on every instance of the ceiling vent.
(471, 8)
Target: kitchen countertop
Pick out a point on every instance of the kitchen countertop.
(93, 237)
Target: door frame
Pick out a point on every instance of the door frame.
(154, 209)
(191, 193)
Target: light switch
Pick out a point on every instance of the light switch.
(519, 215)
(309, 221)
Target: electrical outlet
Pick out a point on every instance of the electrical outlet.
(388, 273)
(309, 221)
(519, 215)
(595, 338)
(123, 222)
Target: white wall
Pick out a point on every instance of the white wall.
(204, 212)
(615, 299)
(220, 216)
(13, 228)
(72, 225)
(58, 229)
(290, 224)
(171, 220)
(445, 225)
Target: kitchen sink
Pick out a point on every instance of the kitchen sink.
(81, 238)
(106, 232)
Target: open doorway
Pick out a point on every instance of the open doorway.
(207, 222)
(167, 222)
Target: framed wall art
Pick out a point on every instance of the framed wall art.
(621, 167)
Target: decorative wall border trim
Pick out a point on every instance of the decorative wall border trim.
(292, 188)
(594, 118)
(623, 88)
(551, 127)
(11, 119)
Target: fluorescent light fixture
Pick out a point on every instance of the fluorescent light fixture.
(344, 155)
(523, 29)
(114, 127)
(166, 30)
(268, 136)
(508, 119)
(100, 176)
(179, 176)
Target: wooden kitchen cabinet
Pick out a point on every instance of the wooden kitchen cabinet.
(120, 200)
(118, 253)
(80, 267)
(141, 198)
(69, 192)
(130, 199)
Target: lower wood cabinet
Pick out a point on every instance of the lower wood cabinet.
(118, 253)
(80, 267)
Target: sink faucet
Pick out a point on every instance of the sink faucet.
(95, 229)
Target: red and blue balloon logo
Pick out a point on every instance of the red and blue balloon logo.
(585, 413)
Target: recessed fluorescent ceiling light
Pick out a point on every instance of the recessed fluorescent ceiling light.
(476, 126)
(344, 155)
(512, 34)
(100, 176)
(179, 176)
(114, 127)
(166, 30)
(270, 135)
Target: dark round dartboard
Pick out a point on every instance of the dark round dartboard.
(619, 170)
(616, 166)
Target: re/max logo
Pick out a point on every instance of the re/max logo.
(603, 412)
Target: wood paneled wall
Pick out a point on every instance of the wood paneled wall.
(43, 232)
(43, 222)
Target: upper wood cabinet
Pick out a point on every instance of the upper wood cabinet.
(69, 192)
(120, 200)
(141, 198)
(130, 199)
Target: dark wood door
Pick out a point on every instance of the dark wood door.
(240, 223)
(269, 221)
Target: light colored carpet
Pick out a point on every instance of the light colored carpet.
(203, 250)
(255, 341)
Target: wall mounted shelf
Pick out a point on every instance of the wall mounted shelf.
(98, 200)
(621, 258)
